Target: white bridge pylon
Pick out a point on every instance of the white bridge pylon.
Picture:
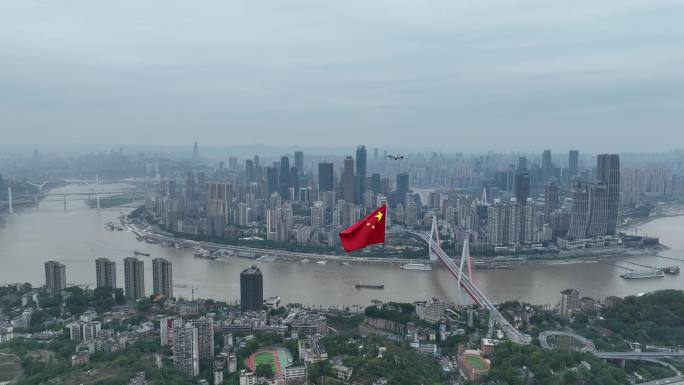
(434, 239)
(465, 256)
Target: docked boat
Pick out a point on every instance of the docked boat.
(321, 262)
(643, 274)
(416, 266)
(369, 286)
(305, 260)
(141, 253)
(672, 270)
(205, 256)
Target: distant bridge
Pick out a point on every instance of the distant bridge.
(75, 196)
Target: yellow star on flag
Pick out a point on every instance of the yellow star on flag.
(379, 215)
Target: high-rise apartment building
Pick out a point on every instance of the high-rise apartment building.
(205, 337)
(251, 289)
(166, 327)
(219, 197)
(317, 215)
(186, 349)
(569, 302)
(134, 277)
(55, 277)
(162, 272)
(105, 272)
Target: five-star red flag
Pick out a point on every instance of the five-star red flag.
(368, 231)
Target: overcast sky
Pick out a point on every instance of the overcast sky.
(604, 75)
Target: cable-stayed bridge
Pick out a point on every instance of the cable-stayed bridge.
(465, 282)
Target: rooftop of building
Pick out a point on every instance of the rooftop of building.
(252, 270)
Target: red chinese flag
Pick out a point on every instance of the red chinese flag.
(368, 231)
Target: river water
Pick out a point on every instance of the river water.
(77, 236)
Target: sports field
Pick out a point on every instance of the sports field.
(277, 357)
(476, 362)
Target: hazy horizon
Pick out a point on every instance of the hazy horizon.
(459, 77)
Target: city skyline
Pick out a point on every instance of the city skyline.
(341, 193)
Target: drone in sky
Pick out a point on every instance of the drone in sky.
(395, 156)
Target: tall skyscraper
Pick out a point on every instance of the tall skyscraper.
(284, 177)
(250, 176)
(186, 349)
(219, 198)
(205, 337)
(272, 179)
(299, 162)
(402, 187)
(547, 167)
(348, 180)
(362, 167)
(590, 215)
(251, 289)
(105, 272)
(573, 164)
(134, 277)
(55, 277)
(608, 172)
(325, 176)
(375, 184)
(375, 154)
(294, 184)
(522, 164)
(522, 187)
(551, 199)
(162, 273)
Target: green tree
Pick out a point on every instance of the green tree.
(143, 305)
(264, 370)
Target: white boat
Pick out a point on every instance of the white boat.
(416, 266)
(321, 262)
(305, 260)
(643, 274)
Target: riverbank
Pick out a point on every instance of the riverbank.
(146, 231)
(662, 211)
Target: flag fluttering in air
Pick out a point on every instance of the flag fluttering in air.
(368, 231)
